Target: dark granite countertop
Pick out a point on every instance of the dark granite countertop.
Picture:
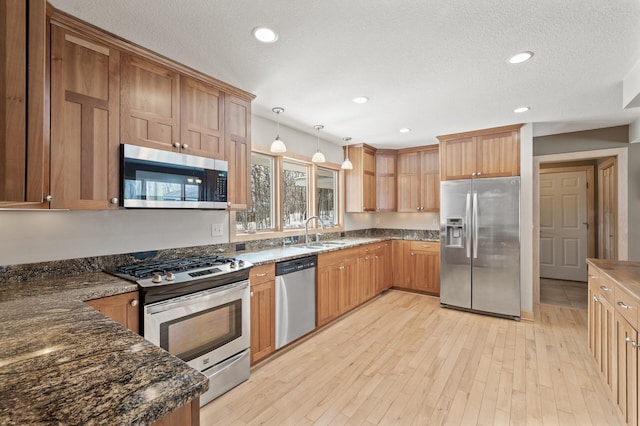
(63, 362)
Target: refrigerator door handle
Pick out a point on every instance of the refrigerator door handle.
(467, 219)
(475, 225)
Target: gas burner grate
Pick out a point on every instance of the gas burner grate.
(148, 269)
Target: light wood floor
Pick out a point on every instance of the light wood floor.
(402, 359)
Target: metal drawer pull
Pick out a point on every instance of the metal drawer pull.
(341, 267)
(633, 342)
(623, 305)
(593, 276)
(262, 274)
(605, 288)
(595, 299)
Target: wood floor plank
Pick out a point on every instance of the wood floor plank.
(401, 359)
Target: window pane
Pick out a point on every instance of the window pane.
(295, 184)
(327, 196)
(262, 196)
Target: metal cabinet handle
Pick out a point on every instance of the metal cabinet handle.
(134, 302)
(262, 274)
(48, 198)
(595, 299)
(176, 144)
(341, 267)
(593, 276)
(251, 294)
(473, 174)
(376, 257)
(114, 200)
(413, 254)
(479, 174)
(623, 305)
(366, 258)
(605, 288)
(185, 146)
(633, 342)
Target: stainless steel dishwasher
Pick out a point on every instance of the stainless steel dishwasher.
(295, 299)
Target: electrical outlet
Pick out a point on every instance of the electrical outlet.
(216, 229)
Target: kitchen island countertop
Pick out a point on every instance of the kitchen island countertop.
(63, 362)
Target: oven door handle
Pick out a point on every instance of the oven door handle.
(165, 305)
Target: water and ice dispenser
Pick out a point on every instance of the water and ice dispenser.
(454, 233)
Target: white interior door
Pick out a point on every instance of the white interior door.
(563, 225)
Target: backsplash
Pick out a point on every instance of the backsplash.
(61, 268)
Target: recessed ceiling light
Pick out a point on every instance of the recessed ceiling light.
(405, 130)
(265, 35)
(521, 109)
(520, 57)
(361, 99)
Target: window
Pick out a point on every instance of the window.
(261, 215)
(295, 190)
(285, 191)
(327, 185)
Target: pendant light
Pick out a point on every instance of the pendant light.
(277, 145)
(347, 164)
(318, 157)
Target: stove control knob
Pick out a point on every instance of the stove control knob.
(170, 276)
(241, 263)
(157, 278)
(232, 265)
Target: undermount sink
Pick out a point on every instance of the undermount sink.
(334, 243)
(324, 244)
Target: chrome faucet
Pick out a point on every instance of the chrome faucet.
(306, 227)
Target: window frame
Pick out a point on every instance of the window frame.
(279, 231)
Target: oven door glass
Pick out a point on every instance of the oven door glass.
(194, 335)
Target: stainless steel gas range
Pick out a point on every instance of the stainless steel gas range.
(197, 308)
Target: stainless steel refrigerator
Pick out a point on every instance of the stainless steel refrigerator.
(480, 245)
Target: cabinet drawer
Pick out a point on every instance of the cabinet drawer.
(367, 249)
(425, 246)
(626, 305)
(337, 256)
(601, 285)
(262, 273)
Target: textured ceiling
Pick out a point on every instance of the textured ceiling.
(435, 66)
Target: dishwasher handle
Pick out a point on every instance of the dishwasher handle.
(295, 265)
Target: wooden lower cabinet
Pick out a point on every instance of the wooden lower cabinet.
(383, 276)
(122, 308)
(263, 311)
(366, 276)
(336, 285)
(601, 334)
(416, 266)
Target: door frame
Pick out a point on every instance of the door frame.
(622, 158)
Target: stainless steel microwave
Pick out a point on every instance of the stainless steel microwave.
(152, 178)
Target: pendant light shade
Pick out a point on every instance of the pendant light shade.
(278, 146)
(347, 164)
(318, 157)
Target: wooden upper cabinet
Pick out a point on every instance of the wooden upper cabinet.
(361, 180)
(418, 179)
(84, 122)
(24, 156)
(202, 112)
(484, 153)
(386, 185)
(150, 112)
(237, 131)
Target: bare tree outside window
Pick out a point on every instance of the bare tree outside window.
(295, 185)
(327, 184)
(262, 195)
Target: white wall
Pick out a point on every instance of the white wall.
(38, 236)
(526, 218)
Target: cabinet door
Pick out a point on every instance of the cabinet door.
(84, 124)
(237, 129)
(382, 269)
(400, 256)
(349, 291)
(24, 156)
(150, 110)
(386, 185)
(122, 308)
(328, 291)
(369, 182)
(425, 271)
(409, 182)
(366, 277)
(627, 374)
(430, 180)
(202, 118)
(457, 158)
(498, 154)
(606, 343)
(263, 320)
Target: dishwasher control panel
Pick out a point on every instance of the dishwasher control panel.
(295, 265)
